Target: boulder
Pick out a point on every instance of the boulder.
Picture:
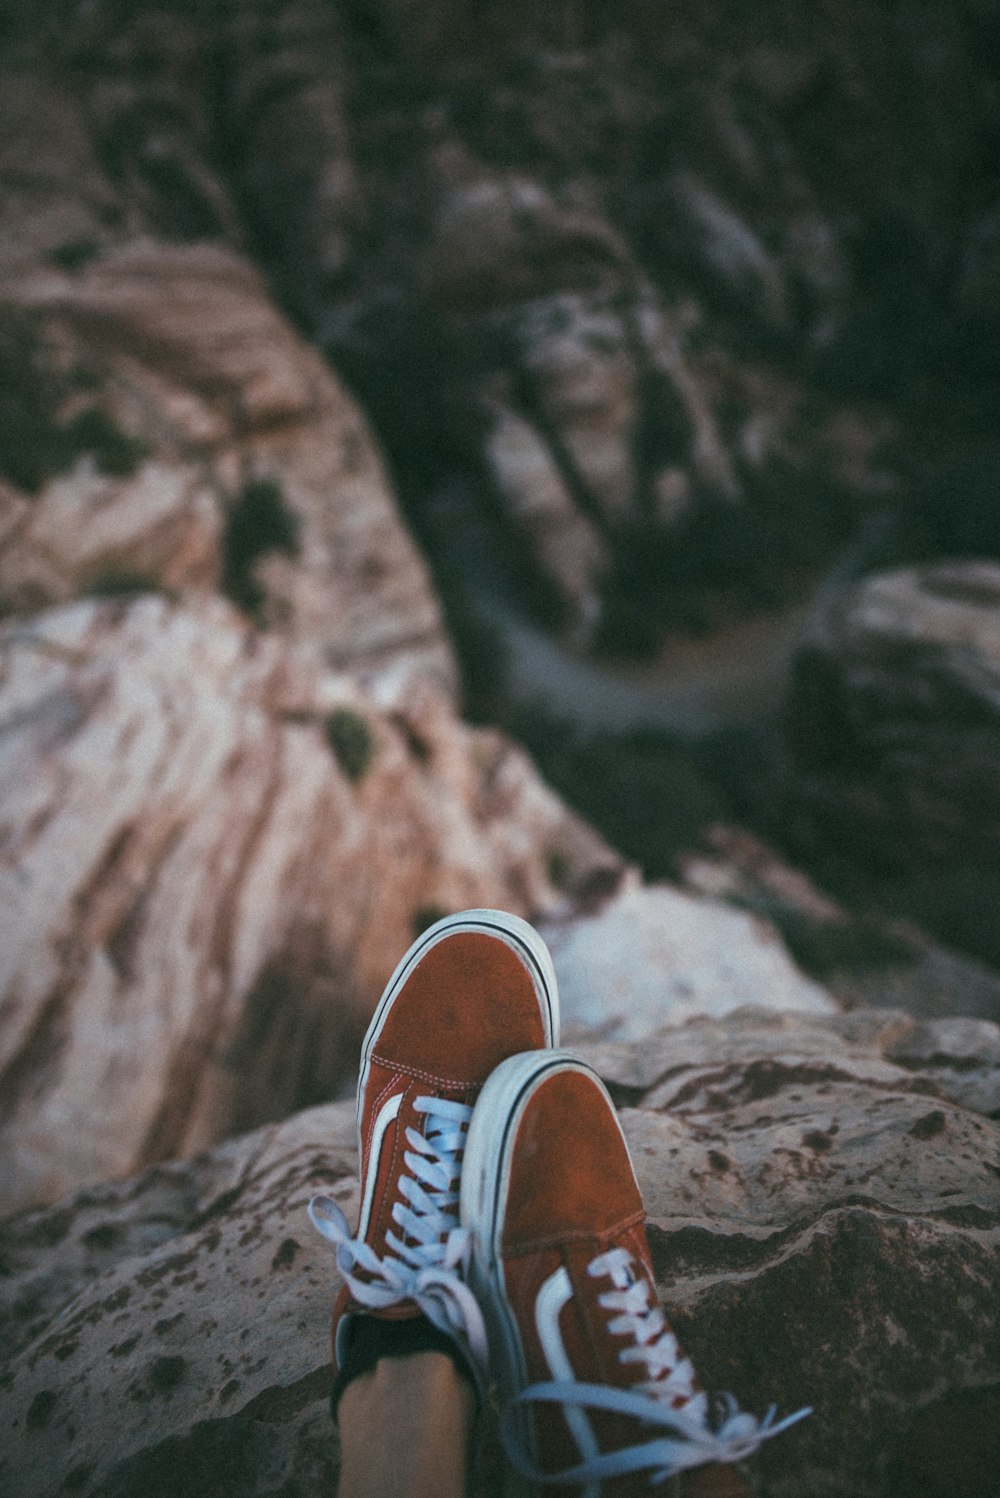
(656, 956)
(564, 544)
(897, 710)
(180, 1324)
(825, 1225)
(213, 853)
(895, 718)
(582, 361)
(634, 463)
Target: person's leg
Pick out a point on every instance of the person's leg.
(405, 1428)
(473, 989)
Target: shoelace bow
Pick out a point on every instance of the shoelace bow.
(429, 1256)
(667, 1398)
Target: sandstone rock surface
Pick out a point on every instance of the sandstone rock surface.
(576, 291)
(209, 1293)
(898, 698)
(825, 1222)
(656, 956)
(165, 424)
(252, 470)
(213, 854)
(583, 350)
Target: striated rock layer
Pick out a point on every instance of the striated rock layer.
(165, 425)
(251, 469)
(824, 1211)
(213, 853)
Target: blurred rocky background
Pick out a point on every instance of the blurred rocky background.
(538, 456)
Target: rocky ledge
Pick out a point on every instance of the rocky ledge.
(823, 1197)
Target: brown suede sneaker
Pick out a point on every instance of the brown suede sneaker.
(597, 1395)
(474, 989)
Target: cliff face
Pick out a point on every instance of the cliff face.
(894, 719)
(660, 292)
(165, 427)
(215, 852)
(234, 780)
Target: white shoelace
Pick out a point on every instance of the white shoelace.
(688, 1439)
(430, 1254)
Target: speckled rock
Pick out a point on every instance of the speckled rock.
(174, 1330)
(824, 1215)
(825, 1211)
(213, 854)
(656, 955)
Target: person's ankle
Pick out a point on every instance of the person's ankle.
(408, 1426)
(375, 1342)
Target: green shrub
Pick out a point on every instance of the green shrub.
(425, 916)
(115, 584)
(824, 947)
(74, 254)
(350, 738)
(259, 521)
(32, 445)
(115, 452)
(35, 444)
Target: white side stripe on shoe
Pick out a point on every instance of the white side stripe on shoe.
(687, 1439)
(553, 1295)
(428, 1259)
(383, 1119)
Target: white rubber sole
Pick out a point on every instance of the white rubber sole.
(518, 935)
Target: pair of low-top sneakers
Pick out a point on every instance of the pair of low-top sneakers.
(498, 1200)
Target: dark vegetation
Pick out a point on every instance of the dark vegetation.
(425, 916)
(656, 796)
(351, 740)
(724, 559)
(73, 254)
(644, 789)
(115, 583)
(258, 522)
(953, 899)
(823, 948)
(38, 439)
(856, 131)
